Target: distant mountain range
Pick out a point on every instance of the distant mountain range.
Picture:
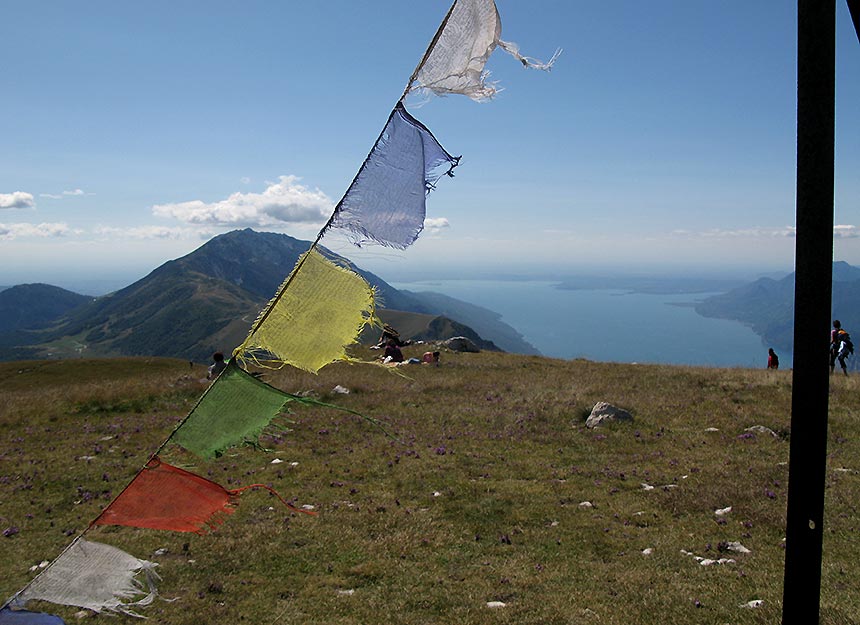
(206, 301)
(767, 306)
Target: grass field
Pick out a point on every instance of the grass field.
(492, 490)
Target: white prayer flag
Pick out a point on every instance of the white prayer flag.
(94, 576)
(455, 63)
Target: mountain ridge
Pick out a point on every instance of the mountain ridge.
(767, 305)
(206, 300)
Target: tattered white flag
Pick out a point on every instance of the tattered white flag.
(94, 576)
(455, 63)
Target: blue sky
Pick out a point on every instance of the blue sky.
(663, 140)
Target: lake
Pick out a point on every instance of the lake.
(610, 325)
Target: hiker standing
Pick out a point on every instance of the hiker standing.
(840, 347)
(772, 359)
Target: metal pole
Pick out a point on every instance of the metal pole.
(854, 9)
(816, 60)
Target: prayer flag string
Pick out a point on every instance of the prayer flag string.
(384, 204)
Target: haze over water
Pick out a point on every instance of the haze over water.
(611, 325)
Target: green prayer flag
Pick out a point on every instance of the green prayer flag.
(236, 408)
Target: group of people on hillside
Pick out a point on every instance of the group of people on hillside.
(393, 355)
(841, 348)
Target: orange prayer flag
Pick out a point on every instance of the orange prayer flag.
(164, 497)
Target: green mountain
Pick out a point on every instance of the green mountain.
(207, 300)
(29, 306)
(767, 305)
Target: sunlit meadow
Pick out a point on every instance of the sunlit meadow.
(488, 500)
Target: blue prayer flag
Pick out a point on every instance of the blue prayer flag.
(385, 202)
(25, 617)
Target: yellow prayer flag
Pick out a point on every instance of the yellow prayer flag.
(319, 310)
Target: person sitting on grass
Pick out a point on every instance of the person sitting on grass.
(390, 334)
(430, 358)
(392, 353)
(217, 366)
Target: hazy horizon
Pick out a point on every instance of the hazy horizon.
(100, 281)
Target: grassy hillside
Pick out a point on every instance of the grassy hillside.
(481, 498)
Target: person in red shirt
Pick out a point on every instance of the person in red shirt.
(772, 359)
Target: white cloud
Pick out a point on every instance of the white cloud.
(60, 196)
(144, 233)
(14, 231)
(846, 232)
(18, 199)
(738, 233)
(789, 232)
(282, 202)
(432, 225)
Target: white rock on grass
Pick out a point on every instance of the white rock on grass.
(737, 547)
(723, 511)
(586, 504)
(346, 593)
(755, 603)
(276, 461)
(342, 390)
(760, 429)
(647, 486)
(647, 551)
(712, 429)
(496, 604)
(706, 561)
(604, 412)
